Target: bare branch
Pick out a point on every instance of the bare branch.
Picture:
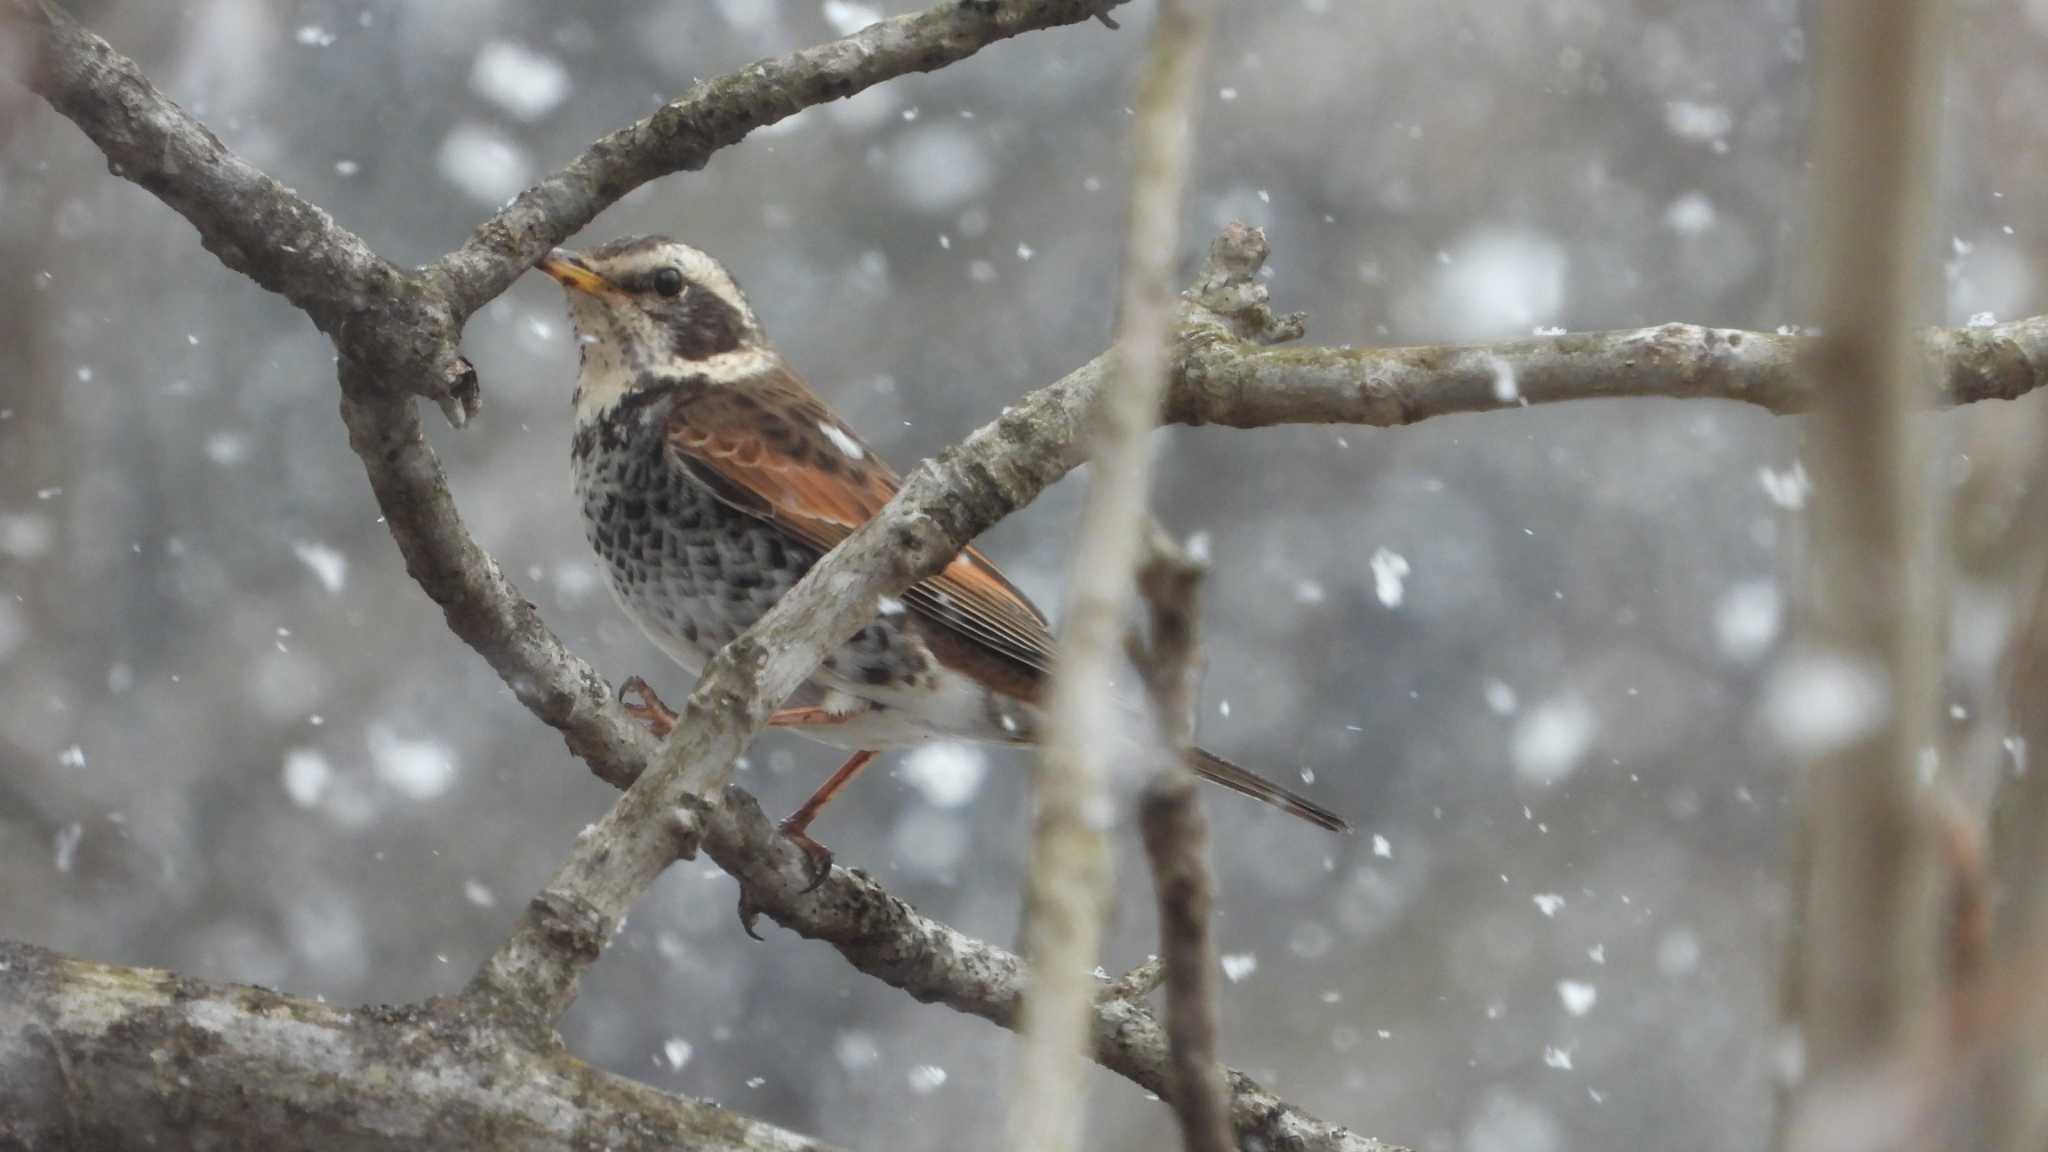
(1068, 892)
(1867, 953)
(1176, 836)
(1220, 380)
(97, 1056)
(936, 964)
(253, 223)
(945, 503)
(257, 226)
(684, 134)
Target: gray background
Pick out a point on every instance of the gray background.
(235, 739)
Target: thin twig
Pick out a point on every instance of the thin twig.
(1867, 951)
(1068, 890)
(1176, 834)
(683, 135)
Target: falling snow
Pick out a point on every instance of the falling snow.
(1747, 619)
(67, 844)
(415, 769)
(946, 774)
(1239, 965)
(847, 17)
(329, 566)
(1551, 740)
(1815, 702)
(1389, 571)
(1787, 489)
(306, 776)
(483, 163)
(525, 83)
(1578, 997)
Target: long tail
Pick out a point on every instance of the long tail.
(1210, 766)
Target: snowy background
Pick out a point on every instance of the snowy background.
(1524, 651)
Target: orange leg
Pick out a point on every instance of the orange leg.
(660, 719)
(818, 856)
(796, 824)
(800, 717)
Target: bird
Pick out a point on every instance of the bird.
(711, 478)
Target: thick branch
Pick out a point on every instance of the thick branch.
(96, 1056)
(682, 135)
(1068, 893)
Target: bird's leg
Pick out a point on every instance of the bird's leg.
(802, 717)
(796, 824)
(659, 718)
(818, 856)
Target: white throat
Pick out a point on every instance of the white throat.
(610, 372)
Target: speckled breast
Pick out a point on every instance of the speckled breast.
(692, 571)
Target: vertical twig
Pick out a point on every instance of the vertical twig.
(1070, 860)
(2015, 1111)
(1176, 835)
(1865, 952)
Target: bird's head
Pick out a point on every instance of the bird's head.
(648, 307)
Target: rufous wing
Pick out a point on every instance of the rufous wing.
(771, 448)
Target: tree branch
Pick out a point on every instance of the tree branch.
(1865, 954)
(1176, 836)
(97, 1056)
(398, 335)
(253, 223)
(684, 134)
(1221, 380)
(1067, 894)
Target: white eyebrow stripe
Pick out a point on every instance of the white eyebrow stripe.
(847, 445)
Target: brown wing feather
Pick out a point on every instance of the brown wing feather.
(764, 446)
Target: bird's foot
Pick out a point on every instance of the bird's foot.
(659, 718)
(817, 869)
(817, 857)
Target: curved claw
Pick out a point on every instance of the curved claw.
(659, 717)
(750, 914)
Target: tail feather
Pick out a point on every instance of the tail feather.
(1210, 766)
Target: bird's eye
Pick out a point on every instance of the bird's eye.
(669, 282)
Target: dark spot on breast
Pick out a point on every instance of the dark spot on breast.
(877, 674)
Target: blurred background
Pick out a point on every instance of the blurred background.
(1525, 651)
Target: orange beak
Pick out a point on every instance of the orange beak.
(569, 268)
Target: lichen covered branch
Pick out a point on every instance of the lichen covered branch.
(98, 1056)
